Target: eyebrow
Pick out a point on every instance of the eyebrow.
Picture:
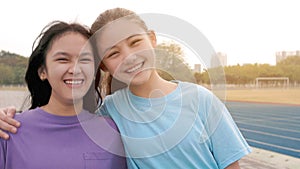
(86, 53)
(67, 54)
(60, 53)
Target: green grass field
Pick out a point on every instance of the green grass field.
(22, 88)
(284, 96)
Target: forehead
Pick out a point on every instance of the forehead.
(72, 40)
(117, 31)
(71, 43)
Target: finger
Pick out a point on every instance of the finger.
(7, 127)
(10, 111)
(4, 135)
(7, 114)
(11, 121)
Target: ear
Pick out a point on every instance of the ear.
(42, 73)
(152, 37)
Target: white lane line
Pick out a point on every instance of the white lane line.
(258, 125)
(273, 145)
(267, 119)
(287, 118)
(269, 134)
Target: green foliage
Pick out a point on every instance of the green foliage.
(12, 68)
(170, 63)
(291, 60)
(247, 73)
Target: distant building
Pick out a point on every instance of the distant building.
(219, 59)
(285, 54)
(197, 68)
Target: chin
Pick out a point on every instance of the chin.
(139, 81)
(77, 96)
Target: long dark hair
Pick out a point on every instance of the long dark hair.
(40, 91)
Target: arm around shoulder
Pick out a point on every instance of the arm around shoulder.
(7, 123)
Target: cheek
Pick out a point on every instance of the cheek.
(55, 71)
(88, 69)
(112, 65)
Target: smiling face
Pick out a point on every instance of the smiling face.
(127, 51)
(69, 67)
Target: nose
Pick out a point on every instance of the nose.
(130, 58)
(74, 68)
(129, 55)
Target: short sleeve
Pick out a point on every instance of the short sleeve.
(228, 144)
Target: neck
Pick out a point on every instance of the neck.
(63, 109)
(155, 87)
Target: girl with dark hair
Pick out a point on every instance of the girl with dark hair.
(60, 78)
(40, 89)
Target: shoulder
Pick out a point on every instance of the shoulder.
(27, 115)
(110, 102)
(28, 120)
(119, 96)
(189, 84)
(192, 89)
(119, 93)
(199, 96)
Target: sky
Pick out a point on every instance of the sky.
(246, 31)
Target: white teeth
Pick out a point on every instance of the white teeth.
(135, 68)
(73, 82)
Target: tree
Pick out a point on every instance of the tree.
(170, 63)
(291, 68)
(291, 60)
(6, 74)
(12, 68)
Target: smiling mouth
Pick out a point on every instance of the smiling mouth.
(135, 68)
(73, 82)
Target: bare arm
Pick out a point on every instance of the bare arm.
(7, 123)
(234, 165)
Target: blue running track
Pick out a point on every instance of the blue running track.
(273, 127)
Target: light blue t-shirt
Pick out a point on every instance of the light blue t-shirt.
(188, 128)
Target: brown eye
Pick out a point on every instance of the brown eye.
(86, 57)
(62, 59)
(86, 60)
(135, 42)
(112, 54)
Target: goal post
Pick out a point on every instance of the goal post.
(271, 81)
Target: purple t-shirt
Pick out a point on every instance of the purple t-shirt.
(48, 141)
